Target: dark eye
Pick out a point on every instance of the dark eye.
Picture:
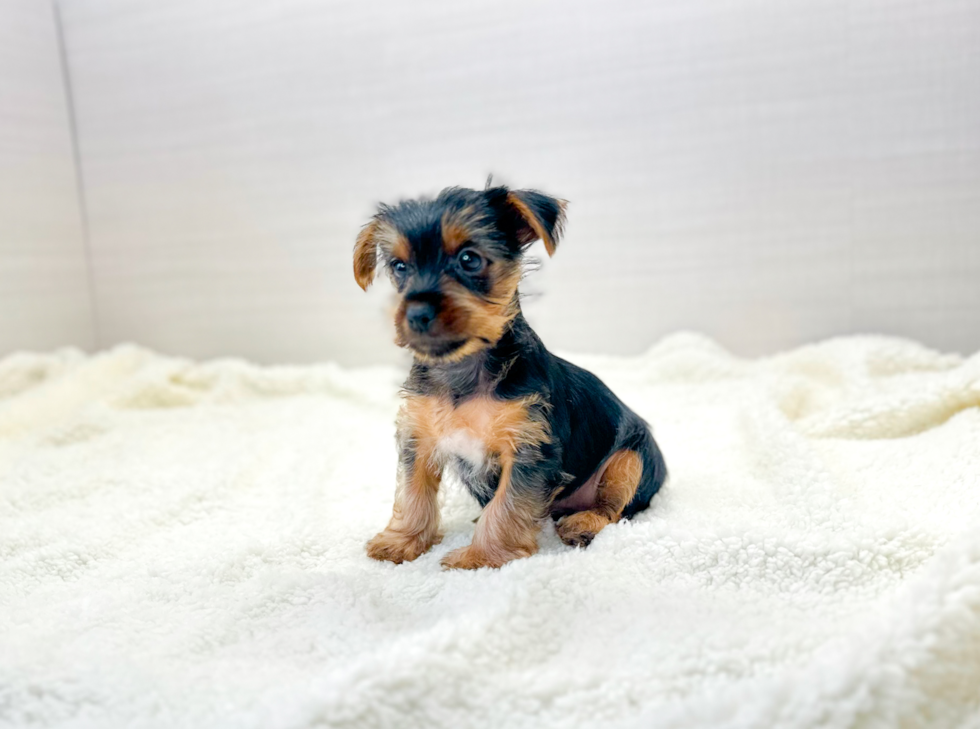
(398, 267)
(470, 261)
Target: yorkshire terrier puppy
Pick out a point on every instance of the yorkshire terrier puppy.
(530, 434)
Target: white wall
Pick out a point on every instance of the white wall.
(44, 287)
(766, 172)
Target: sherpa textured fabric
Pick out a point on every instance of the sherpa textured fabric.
(182, 544)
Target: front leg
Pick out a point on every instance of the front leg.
(414, 525)
(509, 525)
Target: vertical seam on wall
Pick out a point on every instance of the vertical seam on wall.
(79, 175)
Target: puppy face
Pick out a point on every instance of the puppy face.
(456, 262)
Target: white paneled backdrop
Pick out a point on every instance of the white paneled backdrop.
(768, 173)
(45, 296)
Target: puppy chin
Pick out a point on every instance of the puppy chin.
(439, 350)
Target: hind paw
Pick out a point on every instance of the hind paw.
(579, 529)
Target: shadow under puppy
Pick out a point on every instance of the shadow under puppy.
(530, 434)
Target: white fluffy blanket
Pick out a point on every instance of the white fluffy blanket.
(181, 544)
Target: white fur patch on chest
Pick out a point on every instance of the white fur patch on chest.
(462, 443)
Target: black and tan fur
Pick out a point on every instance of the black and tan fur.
(530, 434)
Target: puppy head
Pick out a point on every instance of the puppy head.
(456, 262)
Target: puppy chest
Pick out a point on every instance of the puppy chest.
(464, 444)
(473, 430)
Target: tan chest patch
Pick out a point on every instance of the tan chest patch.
(473, 429)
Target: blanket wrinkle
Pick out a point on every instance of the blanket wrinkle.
(182, 543)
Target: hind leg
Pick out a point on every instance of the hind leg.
(619, 481)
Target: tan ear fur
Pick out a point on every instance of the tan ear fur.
(536, 227)
(366, 255)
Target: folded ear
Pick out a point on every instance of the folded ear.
(539, 216)
(366, 254)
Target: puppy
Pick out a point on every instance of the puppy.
(530, 434)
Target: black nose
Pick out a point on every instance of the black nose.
(420, 315)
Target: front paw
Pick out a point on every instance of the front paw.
(473, 558)
(392, 546)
